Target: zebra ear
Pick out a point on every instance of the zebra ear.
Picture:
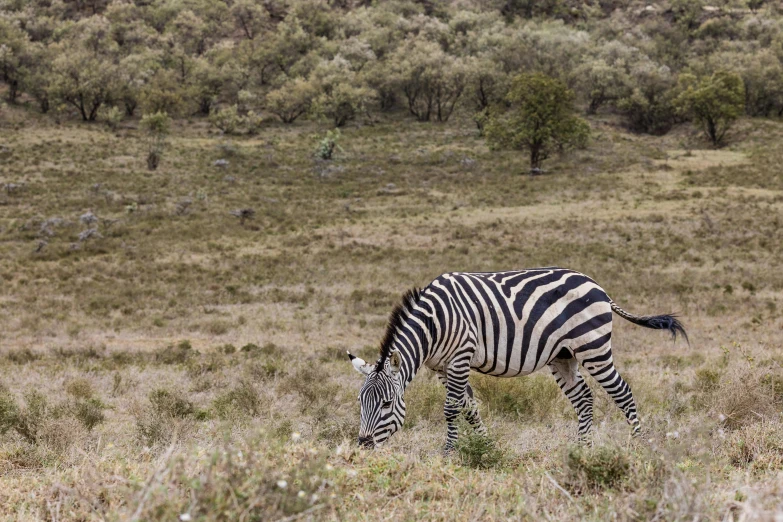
(361, 366)
(395, 361)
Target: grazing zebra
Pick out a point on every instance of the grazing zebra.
(504, 324)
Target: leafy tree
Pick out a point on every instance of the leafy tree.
(539, 120)
(250, 16)
(486, 85)
(715, 102)
(431, 80)
(83, 80)
(602, 83)
(342, 95)
(293, 99)
(156, 127)
(648, 108)
(15, 59)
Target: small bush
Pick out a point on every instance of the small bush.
(328, 144)
(226, 120)
(596, 468)
(178, 354)
(240, 401)
(79, 388)
(157, 423)
(707, 380)
(112, 117)
(9, 410)
(29, 421)
(170, 404)
(476, 450)
(89, 412)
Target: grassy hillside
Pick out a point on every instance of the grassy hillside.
(180, 361)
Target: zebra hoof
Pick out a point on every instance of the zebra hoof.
(448, 450)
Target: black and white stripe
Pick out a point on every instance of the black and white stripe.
(504, 324)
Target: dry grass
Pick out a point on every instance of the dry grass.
(185, 363)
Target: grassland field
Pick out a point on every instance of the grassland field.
(184, 364)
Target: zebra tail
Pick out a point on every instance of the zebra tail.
(668, 322)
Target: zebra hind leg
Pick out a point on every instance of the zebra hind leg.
(600, 365)
(566, 373)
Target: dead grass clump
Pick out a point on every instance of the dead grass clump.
(533, 397)
(240, 401)
(595, 469)
(707, 380)
(743, 399)
(756, 446)
(57, 435)
(79, 388)
(318, 395)
(233, 482)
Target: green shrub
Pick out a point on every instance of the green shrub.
(328, 144)
(597, 468)
(170, 404)
(9, 410)
(476, 450)
(89, 412)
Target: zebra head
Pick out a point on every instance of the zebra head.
(381, 400)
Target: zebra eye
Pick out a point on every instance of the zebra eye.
(387, 404)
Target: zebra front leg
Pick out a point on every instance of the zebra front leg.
(471, 409)
(566, 373)
(457, 374)
(601, 367)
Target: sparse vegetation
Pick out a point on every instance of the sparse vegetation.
(178, 363)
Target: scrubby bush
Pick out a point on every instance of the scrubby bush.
(477, 450)
(240, 401)
(328, 144)
(596, 468)
(156, 127)
(227, 120)
(111, 116)
(157, 422)
(540, 119)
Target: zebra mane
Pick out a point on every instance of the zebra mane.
(397, 318)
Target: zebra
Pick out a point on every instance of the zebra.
(504, 324)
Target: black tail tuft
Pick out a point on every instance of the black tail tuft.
(662, 322)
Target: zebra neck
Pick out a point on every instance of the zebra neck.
(413, 341)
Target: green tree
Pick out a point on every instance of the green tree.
(713, 102)
(291, 100)
(342, 94)
(431, 80)
(540, 119)
(15, 59)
